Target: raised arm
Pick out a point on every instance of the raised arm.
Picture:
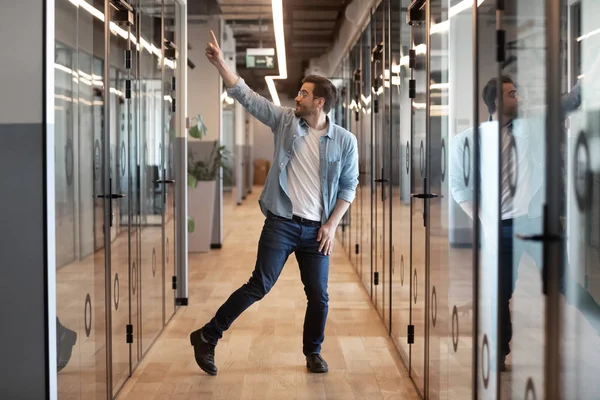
(265, 111)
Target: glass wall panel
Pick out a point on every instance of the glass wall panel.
(400, 177)
(438, 240)
(520, 119)
(354, 90)
(79, 147)
(454, 95)
(579, 276)
(419, 203)
(481, 201)
(151, 191)
(366, 149)
(380, 175)
(171, 49)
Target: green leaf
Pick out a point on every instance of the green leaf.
(191, 181)
(191, 225)
(195, 132)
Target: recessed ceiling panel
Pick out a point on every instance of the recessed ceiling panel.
(316, 15)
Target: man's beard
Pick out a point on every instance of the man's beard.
(302, 112)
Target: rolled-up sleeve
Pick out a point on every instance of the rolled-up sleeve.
(261, 108)
(349, 175)
(460, 191)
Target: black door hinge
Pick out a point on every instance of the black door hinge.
(412, 89)
(128, 89)
(412, 58)
(356, 249)
(411, 334)
(173, 105)
(129, 336)
(174, 283)
(501, 45)
(173, 84)
(127, 59)
(375, 278)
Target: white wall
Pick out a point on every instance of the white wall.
(204, 82)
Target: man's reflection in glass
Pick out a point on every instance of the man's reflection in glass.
(522, 188)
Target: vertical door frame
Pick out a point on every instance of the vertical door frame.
(180, 162)
(391, 162)
(553, 249)
(426, 202)
(107, 200)
(476, 198)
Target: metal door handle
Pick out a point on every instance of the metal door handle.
(110, 196)
(544, 237)
(381, 180)
(424, 196)
(165, 181)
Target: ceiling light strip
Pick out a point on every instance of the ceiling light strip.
(277, 8)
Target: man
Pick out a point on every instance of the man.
(522, 186)
(308, 190)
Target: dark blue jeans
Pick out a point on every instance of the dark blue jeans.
(281, 237)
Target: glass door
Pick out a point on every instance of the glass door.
(366, 161)
(122, 196)
(79, 180)
(378, 63)
(452, 239)
(170, 49)
(151, 132)
(400, 176)
(438, 250)
(418, 88)
(579, 275)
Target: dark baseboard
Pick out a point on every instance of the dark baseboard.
(216, 246)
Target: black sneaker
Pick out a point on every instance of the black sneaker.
(316, 364)
(204, 353)
(66, 340)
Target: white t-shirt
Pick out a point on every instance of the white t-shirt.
(304, 178)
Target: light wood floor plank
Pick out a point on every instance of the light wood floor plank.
(260, 357)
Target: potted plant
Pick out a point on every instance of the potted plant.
(202, 185)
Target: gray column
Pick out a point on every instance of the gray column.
(27, 272)
(240, 122)
(181, 157)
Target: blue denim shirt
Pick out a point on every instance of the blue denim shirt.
(338, 155)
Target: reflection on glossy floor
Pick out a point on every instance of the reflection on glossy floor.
(260, 357)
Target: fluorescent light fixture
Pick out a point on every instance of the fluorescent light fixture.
(454, 10)
(439, 86)
(587, 35)
(117, 30)
(277, 8)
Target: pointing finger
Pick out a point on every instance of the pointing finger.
(214, 39)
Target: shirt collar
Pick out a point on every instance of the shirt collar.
(330, 128)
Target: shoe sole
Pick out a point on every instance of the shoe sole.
(317, 371)
(194, 338)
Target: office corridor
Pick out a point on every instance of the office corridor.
(260, 357)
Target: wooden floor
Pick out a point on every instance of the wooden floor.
(260, 357)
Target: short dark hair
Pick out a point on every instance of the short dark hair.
(324, 89)
(490, 92)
